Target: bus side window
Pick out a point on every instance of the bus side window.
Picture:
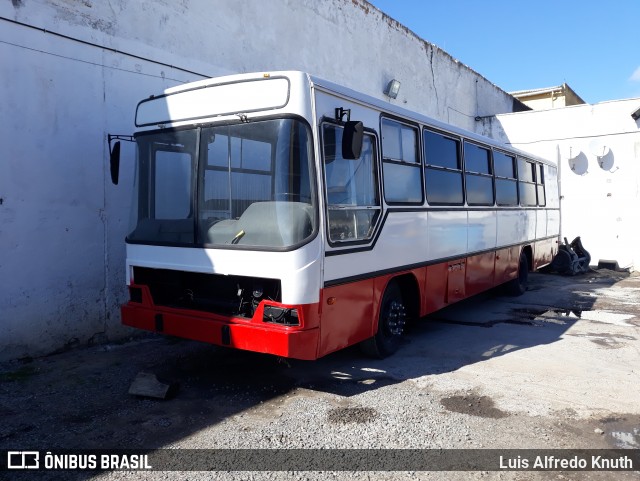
(478, 174)
(401, 163)
(443, 169)
(353, 200)
(506, 179)
(527, 183)
(540, 186)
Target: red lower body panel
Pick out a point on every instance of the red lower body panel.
(349, 312)
(545, 251)
(248, 334)
(347, 315)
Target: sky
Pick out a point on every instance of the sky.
(592, 45)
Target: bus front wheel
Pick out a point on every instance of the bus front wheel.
(391, 324)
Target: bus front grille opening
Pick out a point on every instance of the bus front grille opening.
(215, 293)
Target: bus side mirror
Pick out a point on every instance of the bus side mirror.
(114, 154)
(114, 161)
(352, 138)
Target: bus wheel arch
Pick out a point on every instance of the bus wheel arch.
(518, 285)
(410, 294)
(399, 302)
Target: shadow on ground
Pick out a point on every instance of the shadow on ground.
(79, 399)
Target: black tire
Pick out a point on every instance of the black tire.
(518, 286)
(391, 323)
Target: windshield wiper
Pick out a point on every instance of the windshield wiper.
(238, 236)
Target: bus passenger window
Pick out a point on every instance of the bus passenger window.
(401, 164)
(540, 186)
(353, 201)
(527, 183)
(478, 175)
(443, 169)
(506, 183)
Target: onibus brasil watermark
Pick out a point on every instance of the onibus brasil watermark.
(76, 461)
(324, 460)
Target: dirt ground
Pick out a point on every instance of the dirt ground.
(555, 368)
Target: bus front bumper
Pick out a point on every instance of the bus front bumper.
(232, 332)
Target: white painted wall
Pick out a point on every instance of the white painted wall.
(62, 223)
(600, 204)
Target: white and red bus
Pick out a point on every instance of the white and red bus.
(283, 214)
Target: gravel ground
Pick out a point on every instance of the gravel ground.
(555, 368)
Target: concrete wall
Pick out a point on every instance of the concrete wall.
(600, 193)
(73, 71)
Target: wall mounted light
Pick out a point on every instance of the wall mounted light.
(392, 89)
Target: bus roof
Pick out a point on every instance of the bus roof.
(330, 87)
(413, 116)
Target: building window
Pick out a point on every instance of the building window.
(506, 183)
(401, 164)
(443, 169)
(478, 174)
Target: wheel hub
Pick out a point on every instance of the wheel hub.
(396, 319)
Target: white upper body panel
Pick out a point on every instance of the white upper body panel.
(403, 237)
(298, 270)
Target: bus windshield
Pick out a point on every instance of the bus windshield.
(243, 184)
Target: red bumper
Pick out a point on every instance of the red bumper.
(248, 334)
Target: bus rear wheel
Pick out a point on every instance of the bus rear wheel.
(518, 286)
(391, 324)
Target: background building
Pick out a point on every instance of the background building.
(73, 71)
(597, 148)
(549, 98)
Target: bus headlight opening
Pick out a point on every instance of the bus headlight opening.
(281, 315)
